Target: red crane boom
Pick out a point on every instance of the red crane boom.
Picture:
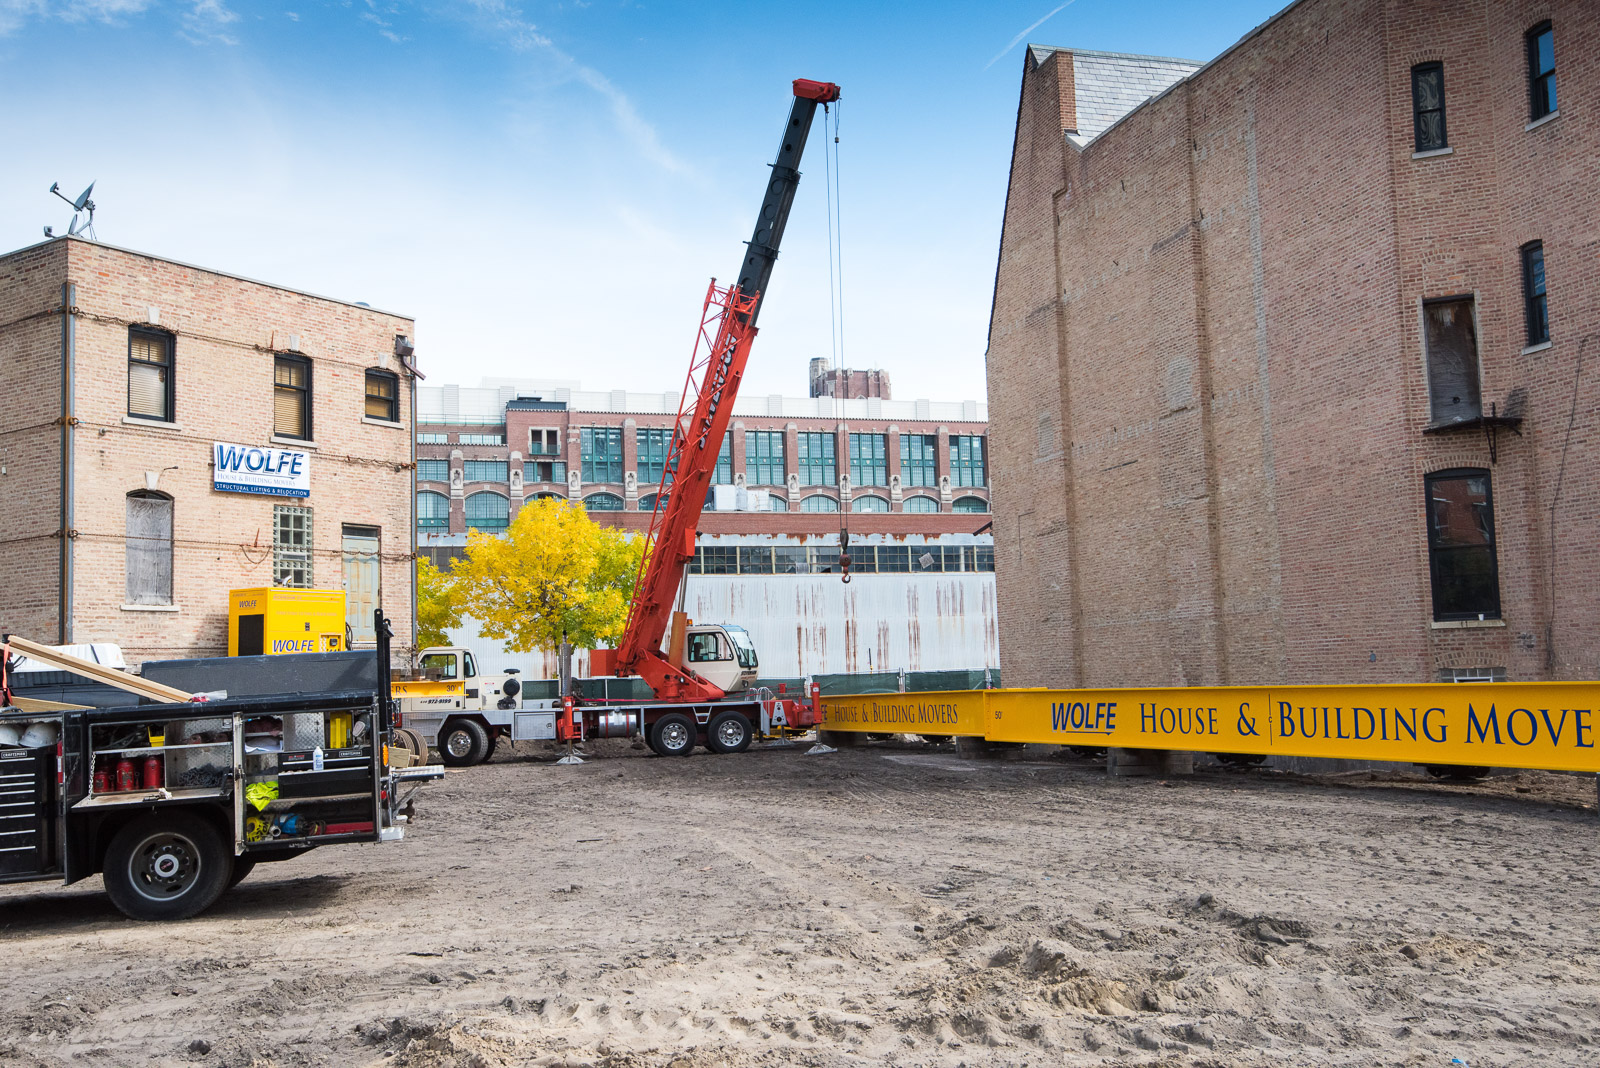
(716, 369)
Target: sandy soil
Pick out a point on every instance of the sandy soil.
(887, 905)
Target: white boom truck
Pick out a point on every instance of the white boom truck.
(452, 707)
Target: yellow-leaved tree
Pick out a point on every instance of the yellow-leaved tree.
(554, 572)
(437, 610)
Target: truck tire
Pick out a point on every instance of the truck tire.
(673, 735)
(166, 866)
(414, 743)
(463, 743)
(728, 732)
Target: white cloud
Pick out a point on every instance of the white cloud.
(507, 22)
(204, 21)
(13, 13)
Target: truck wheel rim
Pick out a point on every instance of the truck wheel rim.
(674, 736)
(164, 866)
(730, 732)
(459, 743)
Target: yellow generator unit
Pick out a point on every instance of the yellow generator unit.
(278, 620)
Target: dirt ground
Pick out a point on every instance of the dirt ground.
(887, 905)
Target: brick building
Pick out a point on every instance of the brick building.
(910, 476)
(1287, 359)
(911, 467)
(847, 383)
(193, 432)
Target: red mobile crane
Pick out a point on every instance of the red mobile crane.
(687, 702)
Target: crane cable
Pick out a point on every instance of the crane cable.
(830, 156)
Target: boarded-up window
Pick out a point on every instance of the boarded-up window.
(361, 582)
(149, 548)
(291, 397)
(1452, 346)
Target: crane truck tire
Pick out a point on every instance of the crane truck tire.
(463, 743)
(416, 743)
(728, 732)
(166, 866)
(673, 735)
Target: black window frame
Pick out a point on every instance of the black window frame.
(1541, 83)
(392, 401)
(1437, 553)
(1418, 111)
(1535, 303)
(305, 395)
(169, 345)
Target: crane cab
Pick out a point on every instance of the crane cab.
(723, 655)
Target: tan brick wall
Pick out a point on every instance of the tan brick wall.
(226, 332)
(30, 441)
(1220, 300)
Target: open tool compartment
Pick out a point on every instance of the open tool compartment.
(291, 802)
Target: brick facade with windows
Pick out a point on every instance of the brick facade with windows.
(1262, 333)
(587, 446)
(168, 359)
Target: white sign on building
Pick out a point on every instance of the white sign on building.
(253, 469)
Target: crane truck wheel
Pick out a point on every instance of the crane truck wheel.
(673, 735)
(166, 866)
(728, 733)
(463, 743)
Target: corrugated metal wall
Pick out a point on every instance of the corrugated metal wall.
(816, 624)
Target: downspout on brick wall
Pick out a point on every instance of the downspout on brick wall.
(411, 534)
(69, 341)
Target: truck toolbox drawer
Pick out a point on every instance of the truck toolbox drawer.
(27, 782)
(330, 783)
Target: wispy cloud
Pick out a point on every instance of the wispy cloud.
(13, 13)
(204, 21)
(385, 29)
(1019, 37)
(506, 21)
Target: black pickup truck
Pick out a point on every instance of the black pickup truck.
(175, 802)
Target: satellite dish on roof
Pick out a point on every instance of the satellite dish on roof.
(81, 204)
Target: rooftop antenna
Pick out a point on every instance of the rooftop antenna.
(83, 203)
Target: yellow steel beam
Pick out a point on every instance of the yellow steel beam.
(1550, 725)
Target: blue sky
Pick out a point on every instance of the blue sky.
(547, 187)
